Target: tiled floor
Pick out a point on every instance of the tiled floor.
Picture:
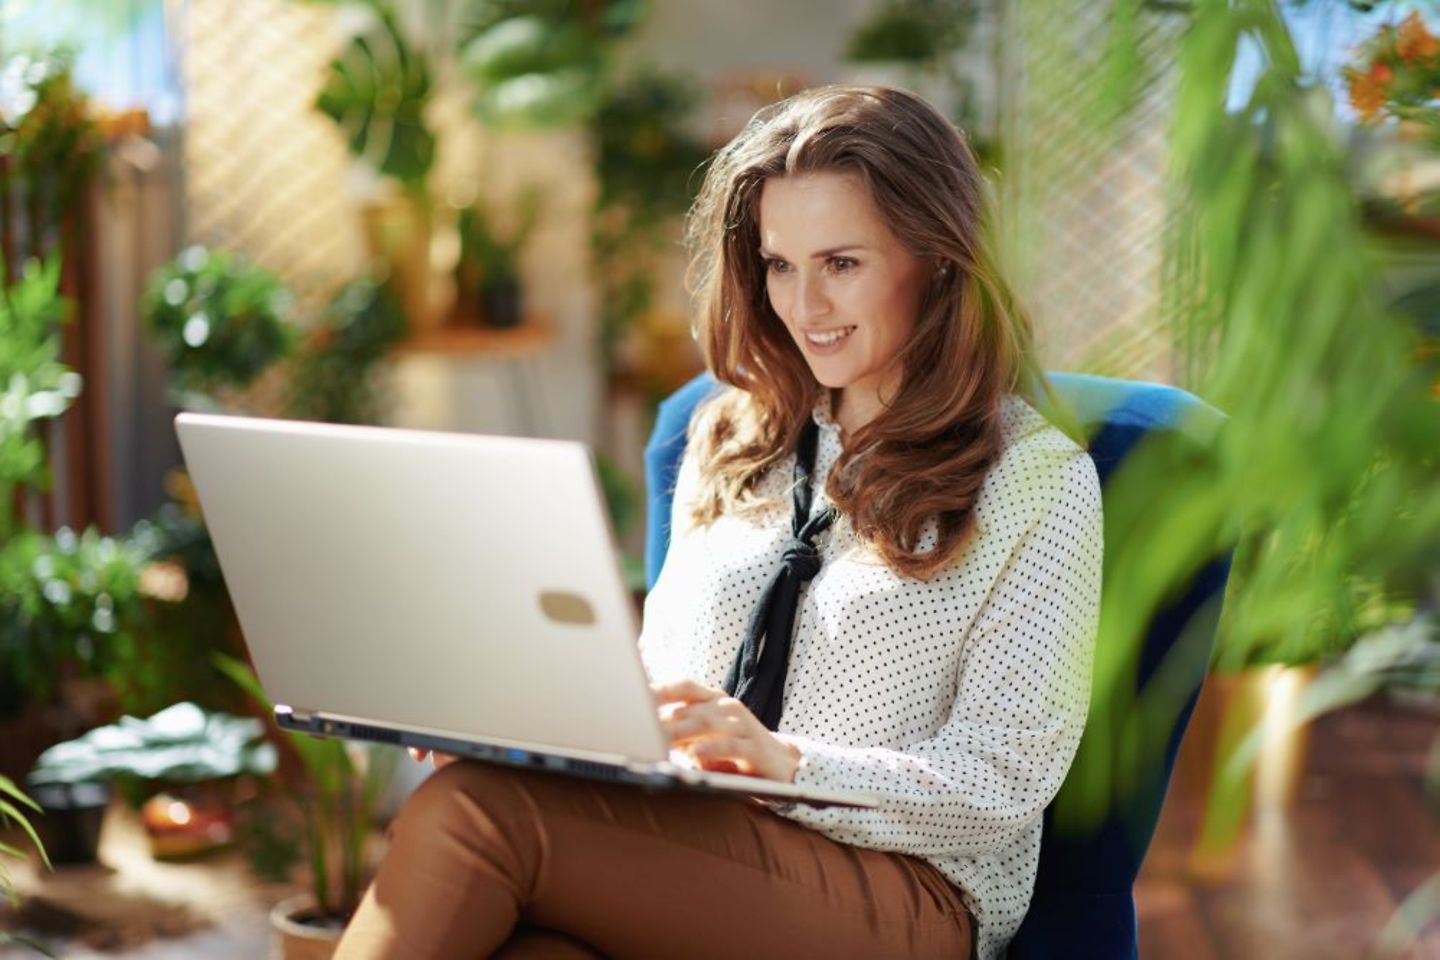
(1319, 878)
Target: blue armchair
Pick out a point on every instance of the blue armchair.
(1084, 903)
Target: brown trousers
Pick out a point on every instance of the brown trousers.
(489, 861)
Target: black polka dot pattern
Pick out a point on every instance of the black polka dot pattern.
(959, 701)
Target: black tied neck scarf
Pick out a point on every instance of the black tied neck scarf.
(757, 677)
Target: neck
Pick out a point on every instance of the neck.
(853, 408)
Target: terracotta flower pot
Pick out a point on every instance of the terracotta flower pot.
(298, 934)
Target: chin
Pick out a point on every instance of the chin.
(828, 376)
(830, 382)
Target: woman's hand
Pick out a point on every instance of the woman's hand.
(721, 733)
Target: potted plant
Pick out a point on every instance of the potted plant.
(489, 267)
(338, 791)
(69, 608)
(183, 750)
(377, 91)
(535, 64)
(221, 321)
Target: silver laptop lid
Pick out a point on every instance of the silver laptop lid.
(457, 584)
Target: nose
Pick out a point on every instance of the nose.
(810, 299)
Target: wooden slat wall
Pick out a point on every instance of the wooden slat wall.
(77, 444)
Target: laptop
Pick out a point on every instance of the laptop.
(451, 592)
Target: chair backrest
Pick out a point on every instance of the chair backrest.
(1083, 904)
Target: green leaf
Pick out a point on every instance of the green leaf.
(9, 812)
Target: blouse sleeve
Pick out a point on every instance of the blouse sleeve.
(1020, 706)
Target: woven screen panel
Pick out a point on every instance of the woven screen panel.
(1085, 203)
(265, 172)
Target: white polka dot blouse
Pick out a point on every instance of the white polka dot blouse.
(959, 701)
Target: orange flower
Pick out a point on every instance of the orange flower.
(1367, 92)
(1415, 42)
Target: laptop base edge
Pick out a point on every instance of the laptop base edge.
(647, 779)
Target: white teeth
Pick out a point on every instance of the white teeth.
(825, 339)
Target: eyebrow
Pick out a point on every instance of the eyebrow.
(823, 253)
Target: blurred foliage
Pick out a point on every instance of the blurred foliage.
(491, 252)
(36, 386)
(46, 132)
(333, 378)
(927, 38)
(343, 784)
(541, 63)
(527, 64)
(1398, 74)
(180, 744)
(376, 90)
(912, 31)
(1325, 473)
(16, 810)
(68, 604)
(648, 164)
(220, 320)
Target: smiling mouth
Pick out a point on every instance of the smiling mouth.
(829, 337)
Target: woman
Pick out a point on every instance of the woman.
(884, 574)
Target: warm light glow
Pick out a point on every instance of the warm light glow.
(178, 812)
(1282, 741)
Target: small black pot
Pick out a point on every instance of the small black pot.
(70, 825)
(501, 303)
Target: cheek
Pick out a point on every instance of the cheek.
(779, 300)
(896, 307)
(893, 310)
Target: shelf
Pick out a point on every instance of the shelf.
(480, 342)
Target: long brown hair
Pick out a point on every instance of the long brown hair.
(927, 453)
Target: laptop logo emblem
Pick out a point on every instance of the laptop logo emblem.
(562, 607)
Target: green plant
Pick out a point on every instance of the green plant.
(377, 90)
(46, 129)
(1398, 73)
(491, 253)
(68, 604)
(925, 37)
(921, 32)
(1324, 474)
(36, 385)
(541, 63)
(333, 378)
(15, 809)
(343, 784)
(220, 320)
(180, 744)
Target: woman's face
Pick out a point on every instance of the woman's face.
(840, 280)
